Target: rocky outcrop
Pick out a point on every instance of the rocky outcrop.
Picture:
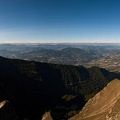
(7, 111)
(47, 116)
(103, 106)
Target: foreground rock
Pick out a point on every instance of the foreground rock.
(47, 116)
(6, 111)
(103, 106)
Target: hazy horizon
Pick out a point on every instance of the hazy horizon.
(59, 43)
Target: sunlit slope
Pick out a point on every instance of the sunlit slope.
(103, 106)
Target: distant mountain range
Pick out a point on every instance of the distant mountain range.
(102, 55)
(34, 88)
(70, 56)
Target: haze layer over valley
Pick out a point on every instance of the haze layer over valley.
(101, 55)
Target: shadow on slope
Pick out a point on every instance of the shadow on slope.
(34, 87)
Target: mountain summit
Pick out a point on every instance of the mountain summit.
(103, 106)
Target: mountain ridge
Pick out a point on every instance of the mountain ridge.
(103, 105)
(25, 82)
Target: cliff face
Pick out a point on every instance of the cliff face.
(103, 106)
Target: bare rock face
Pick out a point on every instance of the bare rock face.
(7, 111)
(103, 106)
(3, 103)
(47, 116)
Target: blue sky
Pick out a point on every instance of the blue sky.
(59, 21)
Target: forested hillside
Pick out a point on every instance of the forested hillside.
(34, 88)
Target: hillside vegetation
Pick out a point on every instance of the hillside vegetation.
(34, 88)
(103, 106)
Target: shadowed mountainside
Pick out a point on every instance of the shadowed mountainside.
(7, 111)
(103, 106)
(34, 88)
